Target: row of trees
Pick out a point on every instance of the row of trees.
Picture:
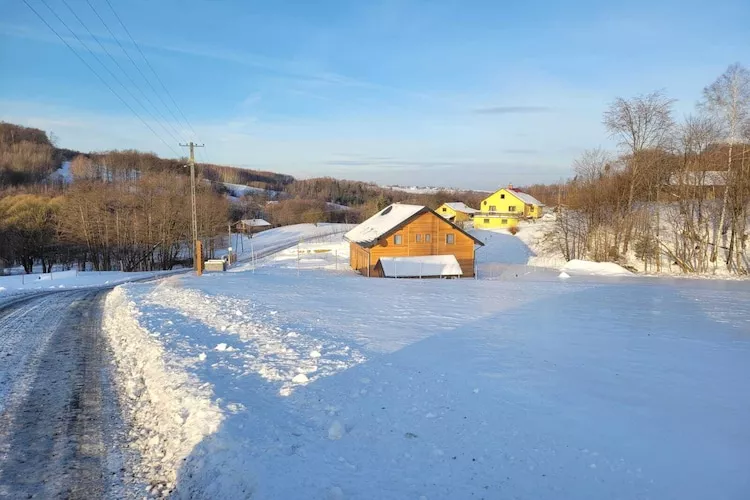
(26, 154)
(125, 210)
(675, 194)
(142, 224)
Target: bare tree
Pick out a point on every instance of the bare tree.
(641, 124)
(728, 98)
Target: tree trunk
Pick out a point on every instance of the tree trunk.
(722, 217)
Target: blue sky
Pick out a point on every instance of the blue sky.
(473, 93)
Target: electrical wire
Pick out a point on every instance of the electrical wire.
(138, 68)
(169, 94)
(101, 45)
(96, 73)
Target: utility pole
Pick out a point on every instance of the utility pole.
(197, 250)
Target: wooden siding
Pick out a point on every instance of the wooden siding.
(425, 224)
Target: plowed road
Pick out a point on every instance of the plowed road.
(60, 433)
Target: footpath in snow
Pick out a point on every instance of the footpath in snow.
(296, 378)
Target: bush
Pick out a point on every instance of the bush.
(513, 230)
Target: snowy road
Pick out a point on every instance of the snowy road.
(59, 426)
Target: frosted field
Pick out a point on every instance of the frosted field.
(292, 379)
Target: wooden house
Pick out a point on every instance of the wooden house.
(456, 211)
(505, 207)
(252, 226)
(411, 241)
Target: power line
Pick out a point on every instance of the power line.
(96, 39)
(151, 67)
(137, 67)
(86, 63)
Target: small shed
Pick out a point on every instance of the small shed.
(250, 226)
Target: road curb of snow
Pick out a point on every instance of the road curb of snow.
(169, 413)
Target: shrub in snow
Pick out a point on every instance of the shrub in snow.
(513, 230)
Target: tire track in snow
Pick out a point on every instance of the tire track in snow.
(292, 358)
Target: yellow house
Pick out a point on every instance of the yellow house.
(505, 207)
(456, 211)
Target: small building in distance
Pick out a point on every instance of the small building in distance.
(456, 211)
(401, 241)
(251, 226)
(505, 207)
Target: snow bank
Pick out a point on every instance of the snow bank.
(283, 358)
(585, 267)
(70, 279)
(170, 412)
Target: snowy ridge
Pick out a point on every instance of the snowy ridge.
(288, 359)
(171, 412)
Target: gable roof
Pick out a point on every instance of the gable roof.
(707, 178)
(389, 219)
(524, 197)
(460, 206)
(255, 222)
(420, 267)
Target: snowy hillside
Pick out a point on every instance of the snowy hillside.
(296, 378)
(62, 174)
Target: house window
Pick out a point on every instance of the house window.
(418, 238)
(502, 196)
(445, 209)
(512, 208)
(531, 208)
(486, 221)
(397, 239)
(484, 202)
(493, 208)
(427, 238)
(450, 238)
(505, 221)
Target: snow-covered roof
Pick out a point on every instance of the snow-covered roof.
(422, 266)
(699, 178)
(460, 206)
(255, 223)
(525, 197)
(382, 223)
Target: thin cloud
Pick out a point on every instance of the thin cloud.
(511, 110)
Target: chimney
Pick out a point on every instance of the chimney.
(510, 186)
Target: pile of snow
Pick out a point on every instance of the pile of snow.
(170, 412)
(585, 267)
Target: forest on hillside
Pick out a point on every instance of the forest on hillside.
(675, 191)
(129, 210)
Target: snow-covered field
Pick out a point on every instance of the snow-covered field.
(20, 283)
(292, 379)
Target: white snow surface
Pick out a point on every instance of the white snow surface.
(382, 222)
(62, 174)
(525, 197)
(424, 266)
(460, 206)
(585, 267)
(255, 223)
(521, 386)
(68, 279)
